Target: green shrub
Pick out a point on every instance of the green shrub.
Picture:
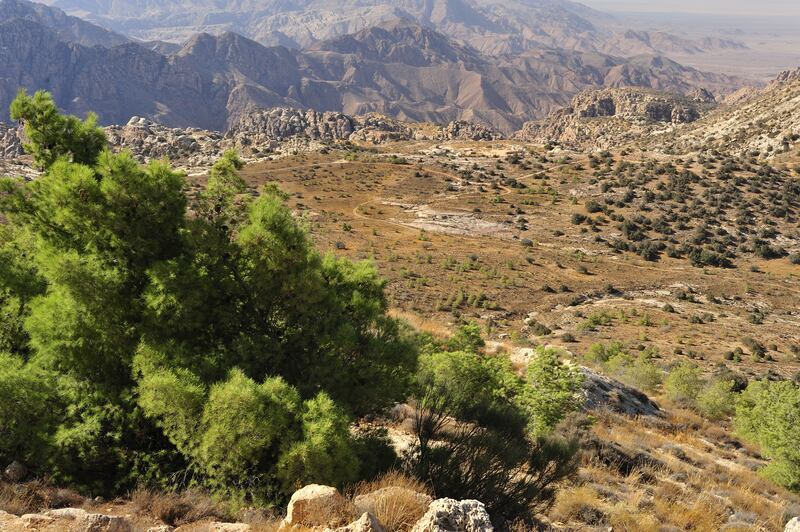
(553, 390)
(201, 339)
(28, 406)
(767, 414)
(684, 383)
(717, 401)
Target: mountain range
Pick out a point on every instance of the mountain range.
(490, 26)
(399, 67)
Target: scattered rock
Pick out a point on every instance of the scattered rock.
(313, 505)
(448, 515)
(793, 525)
(10, 142)
(366, 523)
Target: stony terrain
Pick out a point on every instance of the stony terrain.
(765, 122)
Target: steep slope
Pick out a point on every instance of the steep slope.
(491, 26)
(399, 69)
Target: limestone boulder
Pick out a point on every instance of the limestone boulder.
(449, 515)
(313, 505)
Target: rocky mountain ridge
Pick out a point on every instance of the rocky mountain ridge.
(399, 69)
(68, 28)
(493, 26)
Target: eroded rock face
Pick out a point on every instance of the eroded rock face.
(462, 130)
(609, 116)
(449, 515)
(10, 142)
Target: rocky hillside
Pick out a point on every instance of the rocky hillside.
(608, 117)
(262, 133)
(765, 122)
(399, 69)
(494, 26)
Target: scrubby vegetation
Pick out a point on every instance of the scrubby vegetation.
(158, 340)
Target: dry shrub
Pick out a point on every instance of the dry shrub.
(396, 500)
(625, 519)
(35, 496)
(176, 509)
(580, 504)
(703, 514)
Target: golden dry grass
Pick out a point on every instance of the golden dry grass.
(396, 500)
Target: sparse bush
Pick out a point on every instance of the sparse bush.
(397, 500)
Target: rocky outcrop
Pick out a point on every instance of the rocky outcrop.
(449, 515)
(65, 519)
(10, 142)
(609, 117)
(149, 140)
(787, 76)
(463, 130)
(603, 392)
(762, 122)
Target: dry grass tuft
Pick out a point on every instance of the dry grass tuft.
(35, 496)
(582, 504)
(176, 509)
(396, 500)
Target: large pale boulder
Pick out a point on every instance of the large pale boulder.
(449, 515)
(313, 505)
(83, 521)
(793, 525)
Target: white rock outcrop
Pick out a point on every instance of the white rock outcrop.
(449, 515)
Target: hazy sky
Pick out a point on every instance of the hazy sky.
(727, 7)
